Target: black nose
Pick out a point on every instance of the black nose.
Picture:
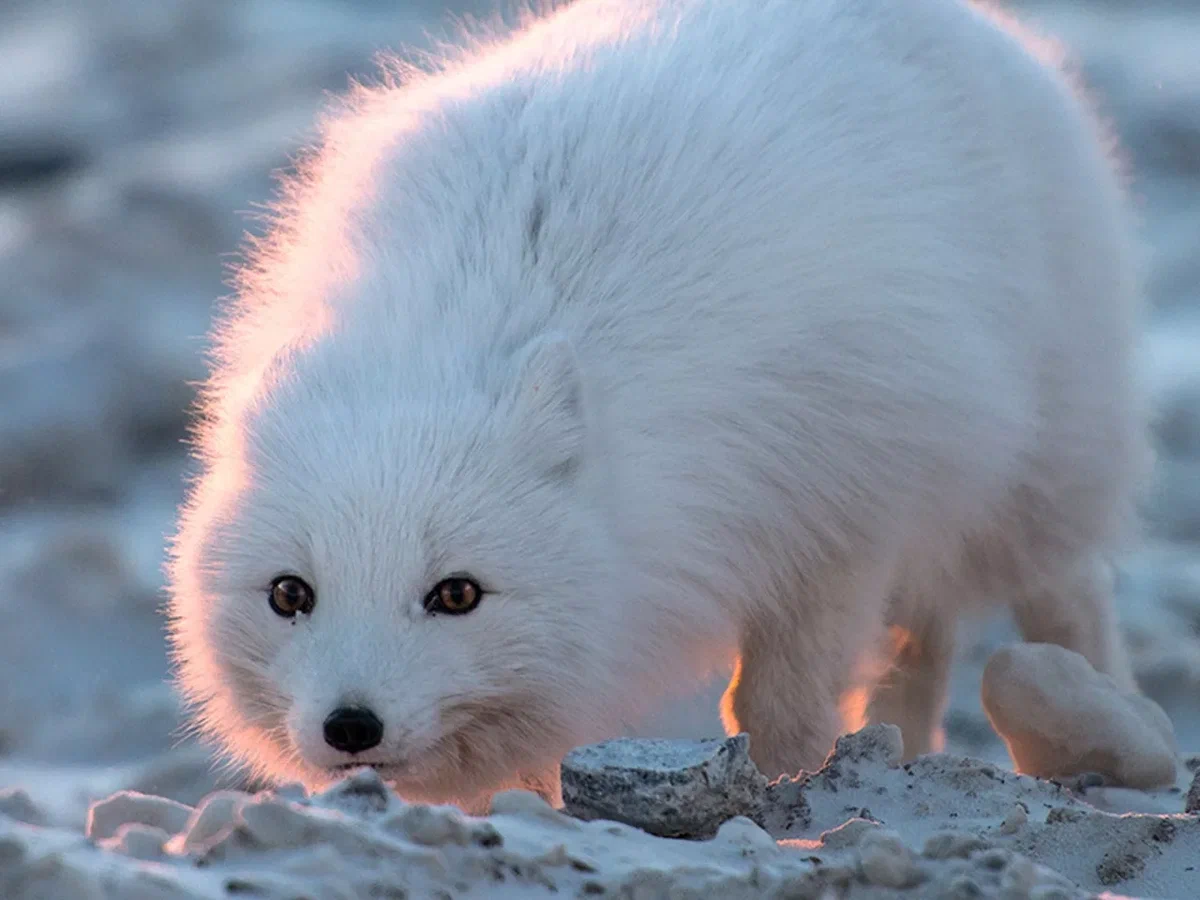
(353, 729)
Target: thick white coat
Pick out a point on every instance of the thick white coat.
(695, 330)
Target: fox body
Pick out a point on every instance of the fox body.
(651, 337)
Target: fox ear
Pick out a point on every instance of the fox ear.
(548, 403)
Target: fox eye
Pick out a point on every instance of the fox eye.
(453, 596)
(290, 595)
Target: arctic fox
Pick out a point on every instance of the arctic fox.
(651, 337)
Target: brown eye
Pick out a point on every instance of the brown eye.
(453, 596)
(290, 595)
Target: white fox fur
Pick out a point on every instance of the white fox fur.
(695, 331)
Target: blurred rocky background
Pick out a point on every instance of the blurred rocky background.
(137, 142)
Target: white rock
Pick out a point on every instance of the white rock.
(520, 802)
(214, 814)
(276, 823)
(886, 861)
(106, 816)
(848, 834)
(138, 841)
(430, 826)
(1015, 820)
(953, 845)
(747, 834)
(1060, 717)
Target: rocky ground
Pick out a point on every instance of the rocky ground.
(863, 827)
(136, 141)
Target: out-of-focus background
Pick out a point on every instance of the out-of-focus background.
(137, 138)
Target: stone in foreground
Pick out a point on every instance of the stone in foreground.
(1060, 717)
(671, 788)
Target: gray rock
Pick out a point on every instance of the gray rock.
(1192, 804)
(880, 743)
(672, 788)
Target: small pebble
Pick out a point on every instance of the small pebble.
(1017, 818)
(886, 861)
(952, 845)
